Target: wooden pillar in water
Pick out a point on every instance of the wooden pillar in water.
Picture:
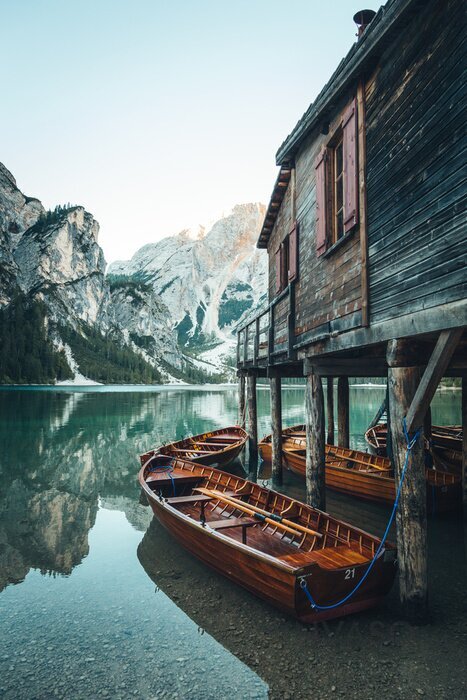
(252, 417)
(276, 425)
(241, 401)
(314, 419)
(330, 410)
(403, 379)
(343, 412)
(464, 443)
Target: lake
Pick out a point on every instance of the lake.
(96, 600)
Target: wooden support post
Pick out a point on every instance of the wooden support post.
(315, 456)
(343, 412)
(252, 417)
(436, 367)
(389, 451)
(464, 443)
(276, 425)
(330, 410)
(241, 401)
(403, 380)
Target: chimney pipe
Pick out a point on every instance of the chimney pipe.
(362, 19)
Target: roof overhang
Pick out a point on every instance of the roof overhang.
(361, 57)
(274, 205)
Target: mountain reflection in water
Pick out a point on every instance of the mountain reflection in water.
(68, 469)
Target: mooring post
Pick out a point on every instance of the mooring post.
(403, 379)
(330, 410)
(241, 401)
(276, 425)
(464, 443)
(252, 418)
(343, 412)
(315, 455)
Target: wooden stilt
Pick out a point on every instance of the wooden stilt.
(241, 401)
(389, 450)
(403, 380)
(464, 443)
(314, 418)
(343, 411)
(330, 410)
(276, 425)
(252, 418)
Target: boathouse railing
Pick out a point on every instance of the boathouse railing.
(268, 338)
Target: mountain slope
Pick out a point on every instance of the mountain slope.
(209, 283)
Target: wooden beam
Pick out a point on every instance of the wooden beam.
(432, 375)
(315, 453)
(464, 443)
(411, 513)
(241, 401)
(362, 199)
(343, 412)
(252, 418)
(276, 425)
(330, 410)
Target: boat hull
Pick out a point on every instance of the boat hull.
(196, 450)
(274, 581)
(443, 491)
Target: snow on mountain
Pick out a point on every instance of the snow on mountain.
(208, 282)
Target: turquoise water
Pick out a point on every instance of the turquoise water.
(103, 604)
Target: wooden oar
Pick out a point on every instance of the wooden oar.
(249, 510)
(280, 521)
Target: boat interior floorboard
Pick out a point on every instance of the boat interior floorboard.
(266, 541)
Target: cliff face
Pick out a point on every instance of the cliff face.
(191, 289)
(17, 214)
(208, 280)
(61, 263)
(55, 258)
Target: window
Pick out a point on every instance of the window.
(336, 170)
(286, 259)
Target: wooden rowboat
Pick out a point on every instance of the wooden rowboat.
(445, 448)
(215, 447)
(364, 475)
(215, 516)
(265, 446)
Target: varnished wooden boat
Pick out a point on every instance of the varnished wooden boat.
(445, 448)
(265, 446)
(371, 477)
(194, 503)
(215, 447)
(364, 475)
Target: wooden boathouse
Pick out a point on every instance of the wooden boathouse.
(367, 245)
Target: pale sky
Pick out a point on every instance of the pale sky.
(159, 115)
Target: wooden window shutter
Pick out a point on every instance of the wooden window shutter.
(278, 265)
(321, 214)
(349, 141)
(293, 252)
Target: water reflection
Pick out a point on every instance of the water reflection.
(62, 450)
(67, 474)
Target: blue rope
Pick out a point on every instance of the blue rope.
(303, 584)
(164, 468)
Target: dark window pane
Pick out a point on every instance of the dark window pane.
(339, 225)
(339, 193)
(338, 160)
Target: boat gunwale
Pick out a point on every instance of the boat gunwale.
(251, 551)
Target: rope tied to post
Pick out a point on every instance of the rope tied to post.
(410, 443)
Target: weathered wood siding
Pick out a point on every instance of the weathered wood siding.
(329, 287)
(416, 176)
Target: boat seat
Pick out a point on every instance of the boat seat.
(328, 558)
(233, 522)
(188, 499)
